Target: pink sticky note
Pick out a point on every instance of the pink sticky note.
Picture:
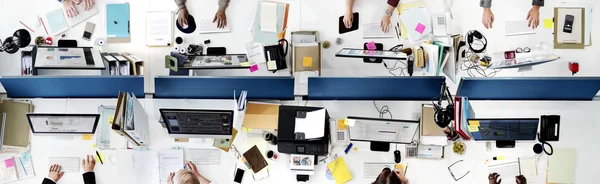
(9, 162)
(371, 45)
(420, 28)
(254, 68)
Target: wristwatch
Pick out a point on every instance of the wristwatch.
(388, 13)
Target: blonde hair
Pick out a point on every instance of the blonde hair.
(186, 177)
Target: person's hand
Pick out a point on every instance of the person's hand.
(534, 17)
(69, 7)
(55, 173)
(348, 18)
(89, 4)
(521, 179)
(385, 23)
(220, 19)
(494, 178)
(183, 17)
(192, 167)
(170, 178)
(400, 174)
(88, 163)
(488, 18)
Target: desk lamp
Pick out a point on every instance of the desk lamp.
(21, 38)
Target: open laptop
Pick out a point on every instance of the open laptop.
(62, 124)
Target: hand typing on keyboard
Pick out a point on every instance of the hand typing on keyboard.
(71, 10)
(55, 173)
(188, 174)
(88, 163)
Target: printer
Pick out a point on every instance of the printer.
(293, 142)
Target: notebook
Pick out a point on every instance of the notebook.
(339, 170)
(561, 166)
(117, 23)
(255, 159)
(16, 168)
(55, 22)
(154, 167)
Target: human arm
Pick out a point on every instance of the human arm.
(385, 20)
(220, 17)
(400, 174)
(349, 17)
(488, 17)
(182, 17)
(533, 16)
(54, 174)
(88, 165)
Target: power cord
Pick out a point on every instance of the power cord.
(392, 69)
(384, 110)
(475, 70)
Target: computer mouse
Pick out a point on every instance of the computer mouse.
(397, 156)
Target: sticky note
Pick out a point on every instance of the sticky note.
(87, 137)
(473, 128)
(307, 61)
(420, 28)
(474, 123)
(101, 156)
(271, 65)
(254, 68)
(244, 129)
(9, 162)
(398, 166)
(93, 145)
(351, 122)
(548, 23)
(341, 125)
(26, 157)
(111, 119)
(245, 64)
(371, 45)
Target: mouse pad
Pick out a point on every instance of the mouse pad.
(342, 27)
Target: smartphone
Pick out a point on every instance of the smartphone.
(89, 29)
(569, 19)
(239, 175)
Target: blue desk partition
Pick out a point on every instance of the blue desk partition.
(280, 88)
(374, 88)
(72, 86)
(530, 88)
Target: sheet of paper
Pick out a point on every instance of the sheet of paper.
(309, 125)
(507, 171)
(303, 39)
(528, 168)
(404, 6)
(268, 17)
(24, 166)
(430, 151)
(561, 166)
(434, 140)
(145, 167)
(159, 28)
(255, 53)
(302, 164)
(8, 172)
(55, 22)
(417, 23)
(170, 161)
(301, 80)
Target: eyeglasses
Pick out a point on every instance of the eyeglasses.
(454, 177)
(523, 50)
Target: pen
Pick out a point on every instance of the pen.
(397, 35)
(24, 170)
(400, 30)
(99, 158)
(406, 170)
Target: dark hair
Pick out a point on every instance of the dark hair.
(387, 177)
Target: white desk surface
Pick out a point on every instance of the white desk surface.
(578, 127)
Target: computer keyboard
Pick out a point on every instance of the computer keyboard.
(207, 26)
(372, 170)
(204, 156)
(517, 27)
(373, 30)
(67, 164)
(83, 15)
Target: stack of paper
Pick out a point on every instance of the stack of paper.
(417, 23)
(561, 166)
(339, 170)
(309, 125)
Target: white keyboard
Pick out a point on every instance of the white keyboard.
(373, 30)
(518, 27)
(204, 156)
(67, 164)
(372, 170)
(82, 16)
(207, 26)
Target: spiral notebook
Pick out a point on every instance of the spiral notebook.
(153, 167)
(16, 168)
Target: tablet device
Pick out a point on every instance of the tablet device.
(342, 27)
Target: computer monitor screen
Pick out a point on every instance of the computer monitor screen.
(504, 129)
(192, 123)
(382, 130)
(380, 54)
(63, 123)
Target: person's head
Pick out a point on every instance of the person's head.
(184, 176)
(387, 177)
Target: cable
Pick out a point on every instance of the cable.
(475, 70)
(397, 48)
(384, 110)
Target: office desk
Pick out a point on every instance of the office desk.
(578, 127)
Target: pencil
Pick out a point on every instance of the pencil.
(406, 170)
(24, 170)
(44, 26)
(27, 27)
(397, 32)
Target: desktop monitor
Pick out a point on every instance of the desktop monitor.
(198, 123)
(381, 132)
(505, 131)
(65, 124)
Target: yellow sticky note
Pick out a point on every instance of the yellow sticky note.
(244, 129)
(307, 61)
(87, 137)
(101, 156)
(341, 125)
(271, 65)
(245, 64)
(399, 166)
(473, 128)
(474, 122)
(93, 145)
(548, 23)
(111, 119)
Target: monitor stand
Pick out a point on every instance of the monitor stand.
(505, 144)
(380, 146)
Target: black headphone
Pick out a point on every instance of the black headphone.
(443, 116)
(539, 147)
(478, 37)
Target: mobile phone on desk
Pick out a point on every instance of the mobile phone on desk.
(239, 175)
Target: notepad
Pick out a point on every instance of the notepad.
(154, 167)
(339, 170)
(561, 166)
(16, 168)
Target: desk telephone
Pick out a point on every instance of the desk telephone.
(277, 53)
(550, 128)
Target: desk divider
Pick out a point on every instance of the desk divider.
(72, 86)
(530, 88)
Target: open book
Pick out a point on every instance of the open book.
(153, 167)
(16, 168)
